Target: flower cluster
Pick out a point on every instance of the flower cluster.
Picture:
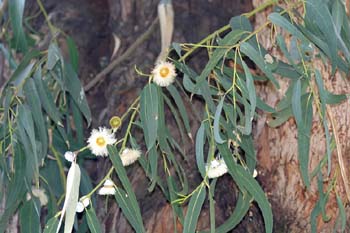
(129, 156)
(216, 168)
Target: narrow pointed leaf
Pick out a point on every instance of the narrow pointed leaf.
(256, 57)
(149, 114)
(200, 141)
(217, 117)
(120, 170)
(71, 199)
(193, 211)
(51, 225)
(94, 224)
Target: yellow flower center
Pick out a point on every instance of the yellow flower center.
(100, 141)
(115, 122)
(164, 72)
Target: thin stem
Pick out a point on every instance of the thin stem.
(100, 183)
(130, 108)
(60, 166)
(41, 6)
(129, 127)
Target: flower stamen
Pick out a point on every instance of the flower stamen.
(100, 141)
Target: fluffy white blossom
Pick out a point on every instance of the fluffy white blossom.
(108, 188)
(217, 167)
(164, 73)
(99, 139)
(129, 156)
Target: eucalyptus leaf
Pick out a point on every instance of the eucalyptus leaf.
(149, 114)
(194, 208)
(51, 225)
(71, 199)
(16, 10)
(94, 224)
(200, 142)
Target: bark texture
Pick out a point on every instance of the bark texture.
(278, 152)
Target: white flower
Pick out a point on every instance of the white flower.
(216, 168)
(82, 204)
(129, 156)
(108, 188)
(268, 58)
(99, 139)
(164, 73)
(69, 156)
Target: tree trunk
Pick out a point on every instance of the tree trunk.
(277, 149)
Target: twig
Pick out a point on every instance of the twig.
(339, 154)
(124, 56)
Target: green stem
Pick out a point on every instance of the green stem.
(100, 183)
(130, 108)
(129, 127)
(41, 6)
(60, 166)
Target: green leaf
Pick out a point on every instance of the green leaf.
(71, 199)
(252, 99)
(216, 126)
(16, 9)
(23, 70)
(318, 14)
(296, 103)
(124, 203)
(149, 114)
(30, 217)
(153, 162)
(78, 123)
(53, 56)
(76, 90)
(342, 214)
(94, 224)
(331, 98)
(241, 209)
(177, 210)
(245, 181)
(51, 225)
(27, 135)
(181, 107)
(200, 141)
(46, 98)
(241, 22)
(322, 94)
(33, 99)
(120, 170)
(279, 20)
(230, 39)
(16, 189)
(73, 53)
(8, 56)
(194, 209)
(257, 58)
